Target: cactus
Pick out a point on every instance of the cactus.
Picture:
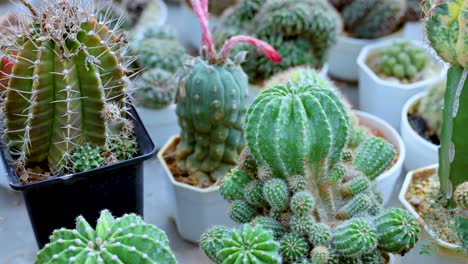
(320, 255)
(123, 148)
(297, 183)
(250, 245)
(270, 224)
(66, 74)
(320, 235)
(212, 242)
(374, 257)
(86, 158)
(234, 184)
(373, 156)
(211, 104)
(241, 212)
(275, 192)
(253, 193)
(370, 19)
(302, 203)
(461, 196)
(155, 89)
(445, 17)
(430, 107)
(302, 224)
(354, 237)
(293, 247)
(127, 239)
(302, 31)
(247, 163)
(401, 60)
(355, 186)
(397, 231)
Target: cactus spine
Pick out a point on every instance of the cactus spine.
(127, 239)
(211, 105)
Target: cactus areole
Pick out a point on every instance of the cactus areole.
(64, 78)
(211, 103)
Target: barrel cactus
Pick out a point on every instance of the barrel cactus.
(67, 87)
(370, 19)
(211, 104)
(127, 239)
(155, 88)
(326, 203)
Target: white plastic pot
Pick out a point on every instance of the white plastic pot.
(194, 209)
(387, 180)
(421, 152)
(161, 124)
(385, 98)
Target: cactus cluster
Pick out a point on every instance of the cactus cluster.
(318, 205)
(401, 60)
(302, 32)
(370, 19)
(127, 239)
(211, 104)
(67, 87)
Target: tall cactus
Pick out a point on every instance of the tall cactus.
(325, 201)
(211, 103)
(67, 83)
(446, 32)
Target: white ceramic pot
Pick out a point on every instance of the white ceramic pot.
(387, 180)
(414, 31)
(421, 152)
(385, 98)
(194, 209)
(161, 124)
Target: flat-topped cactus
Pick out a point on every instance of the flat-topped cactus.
(66, 75)
(127, 239)
(211, 103)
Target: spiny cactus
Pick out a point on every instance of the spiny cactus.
(241, 212)
(461, 196)
(211, 103)
(212, 242)
(430, 107)
(270, 224)
(155, 88)
(311, 192)
(253, 193)
(66, 75)
(86, 158)
(127, 239)
(234, 184)
(301, 31)
(371, 19)
(402, 60)
(123, 148)
(293, 247)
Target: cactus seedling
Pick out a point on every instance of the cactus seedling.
(127, 239)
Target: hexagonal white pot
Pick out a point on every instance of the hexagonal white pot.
(385, 98)
(421, 152)
(194, 209)
(387, 180)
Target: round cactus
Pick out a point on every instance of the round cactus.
(265, 173)
(373, 156)
(301, 224)
(397, 231)
(355, 186)
(268, 223)
(233, 185)
(336, 174)
(320, 255)
(357, 136)
(123, 148)
(247, 163)
(276, 193)
(320, 235)
(357, 205)
(155, 88)
(115, 240)
(253, 193)
(212, 242)
(241, 212)
(250, 245)
(293, 247)
(461, 196)
(374, 257)
(160, 53)
(86, 158)
(354, 237)
(296, 183)
(302, 203)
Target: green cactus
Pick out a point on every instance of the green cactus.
(212, 242)
(461, 222)
(86, 158)
(302, 203)
(160, 53)
(293, 247)
(302, 224)
(127, 239)
(320, 255)
(64, 77)
(123, 148)
(430, 106)
(250, 245)
(270, 224)
(253, 194)
(114, 13)
(233, 185)
(320, 235)
(402, 60)
(247, 163)
(397, 231)
(276, 194)
(370, 19)
(354, 237)
(155, 88)
(297, 183)
(355, 186)
(357, 205)
(241, 212)
(374, 257)
(373, 156)
(461, 196)
(265, 173)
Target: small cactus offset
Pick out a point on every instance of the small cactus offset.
(320, 207)
(211, 104)
(212, 242)
(155, 88)
(86, 158)
(67, 86)
(127, 239)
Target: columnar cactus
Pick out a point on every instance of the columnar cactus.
(316, 195)
(66, 75)
(211, 103)
(371, 19)
(127, 239)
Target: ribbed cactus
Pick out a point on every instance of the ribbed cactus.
(127, 239)
(86, 158)
(66, 75)
(297, 134)
(211, 103)
(253, 193)
(234, 184)
(302, 32)
(155, 88)
(241, 212)
(212, 242)
(445, 23)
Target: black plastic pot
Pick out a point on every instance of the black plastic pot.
(56, 202)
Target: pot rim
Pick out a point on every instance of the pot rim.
(407, 205)
(160, 155)
(405, 122)
(370, 48)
